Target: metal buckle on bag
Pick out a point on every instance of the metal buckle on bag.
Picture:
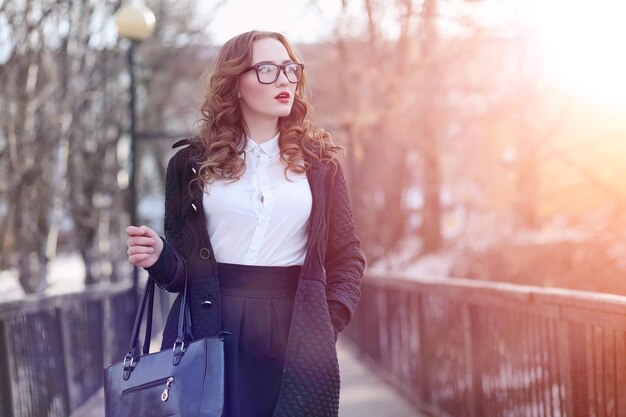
(128, 367)
(132, 360)
(182, 347)
(178, 353)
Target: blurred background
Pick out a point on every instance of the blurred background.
(485, 139)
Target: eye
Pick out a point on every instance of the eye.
(266, 69)
(292, 68)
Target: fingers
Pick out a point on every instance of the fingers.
(134, 232)
(140, 241)
(140, 231)
(133, 259)
(150, 233)
(138, 255)
(135, 250)
(144, 246)
(140, 259)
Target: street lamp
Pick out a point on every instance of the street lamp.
(134, 21)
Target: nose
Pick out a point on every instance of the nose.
(282, 77)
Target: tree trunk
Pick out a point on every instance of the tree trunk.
(431, 219)
(431, 226)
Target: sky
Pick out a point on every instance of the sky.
(314, 20)
(302, 21)
(577, 43)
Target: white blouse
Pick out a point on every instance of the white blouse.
(260, 219)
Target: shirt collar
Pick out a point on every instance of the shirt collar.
(270, 147)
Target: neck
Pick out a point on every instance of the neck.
(261, 129)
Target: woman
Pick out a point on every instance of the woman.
(258, 207)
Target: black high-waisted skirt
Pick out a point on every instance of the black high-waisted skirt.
(257, 304)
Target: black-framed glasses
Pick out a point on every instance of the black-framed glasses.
(269, 73)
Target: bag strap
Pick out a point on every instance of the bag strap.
(148, 337)
(182, 314)
(184, 326)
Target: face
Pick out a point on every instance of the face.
(266, 100)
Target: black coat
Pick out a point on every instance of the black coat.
(328, 290)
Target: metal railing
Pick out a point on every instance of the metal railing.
(53, 349)
(479, 349)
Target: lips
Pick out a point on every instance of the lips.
(283, 96)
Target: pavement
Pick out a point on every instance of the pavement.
(363, 393)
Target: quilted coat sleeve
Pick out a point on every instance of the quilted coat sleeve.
(344, 261)
(169, 270)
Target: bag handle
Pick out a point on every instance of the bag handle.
(184, 324)
(148, 336)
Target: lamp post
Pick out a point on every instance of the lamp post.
(134, 21)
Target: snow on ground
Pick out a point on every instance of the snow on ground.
(432, 266)
(66, 273)
(397, 261)
(407, 263)
(481, 234)
(10, 288)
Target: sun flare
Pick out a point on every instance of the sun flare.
(580, 44)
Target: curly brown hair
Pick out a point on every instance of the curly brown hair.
(222, 129)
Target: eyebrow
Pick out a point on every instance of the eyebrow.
(272, 62)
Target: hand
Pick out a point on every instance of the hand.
(144, 246)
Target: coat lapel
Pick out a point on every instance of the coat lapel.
(316, 176)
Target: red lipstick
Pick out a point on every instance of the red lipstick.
(283, 97)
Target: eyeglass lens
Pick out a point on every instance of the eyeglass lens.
(268, 73)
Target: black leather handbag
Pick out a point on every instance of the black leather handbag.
(185, 381)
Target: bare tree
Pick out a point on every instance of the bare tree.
(387, 118)
(63, 97)
(30, 90)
